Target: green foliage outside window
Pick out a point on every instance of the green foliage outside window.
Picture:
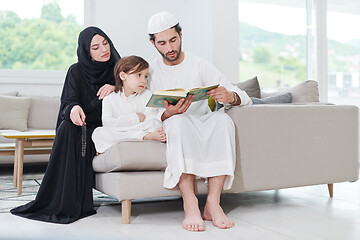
(280, 60)
(262, 55)
(45, 43)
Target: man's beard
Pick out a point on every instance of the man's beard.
(171, 59)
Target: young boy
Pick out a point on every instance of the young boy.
(124, 114)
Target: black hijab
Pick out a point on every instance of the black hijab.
(98, 73)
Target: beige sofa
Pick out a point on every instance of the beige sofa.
(26, 113)
(278, 146)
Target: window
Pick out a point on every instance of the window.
(343, 52)
(272, 42)
(39, 34)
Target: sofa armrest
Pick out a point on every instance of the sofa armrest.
(281, 146)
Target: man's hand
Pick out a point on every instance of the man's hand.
(220, 94)
(141, 117)
(105, 90)
(77, 115)
(181, 106)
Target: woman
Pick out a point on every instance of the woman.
(65, 194)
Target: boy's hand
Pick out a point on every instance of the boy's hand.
(141, 117)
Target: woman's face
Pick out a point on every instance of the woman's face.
(100, 49)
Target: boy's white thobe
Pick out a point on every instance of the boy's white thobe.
(120, 121)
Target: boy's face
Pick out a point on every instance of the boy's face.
(134, 82)
(168, 43)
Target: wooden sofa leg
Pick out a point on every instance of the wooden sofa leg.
(126, 211)
(331, 189)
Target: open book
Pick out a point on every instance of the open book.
(174, 95)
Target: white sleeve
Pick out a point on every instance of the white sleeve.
(151, 112)
(213, 76)
(123, 120)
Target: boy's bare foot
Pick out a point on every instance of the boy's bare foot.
(193, 221)
(213, 212)
(157, 135)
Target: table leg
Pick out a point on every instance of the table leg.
(15, 164)
(20, 161)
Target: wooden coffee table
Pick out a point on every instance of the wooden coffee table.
(28, 142)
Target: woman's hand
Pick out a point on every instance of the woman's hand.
(105, 90)
(77, 115)
(141, 117)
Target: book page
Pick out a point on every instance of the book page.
(207, 88)
(172, 92)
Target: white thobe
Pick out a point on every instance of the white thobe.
(199, 142)
(120, 121)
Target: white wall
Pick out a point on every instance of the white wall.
(210, 30)
(210, 27)
(126, 23)
(226, 38)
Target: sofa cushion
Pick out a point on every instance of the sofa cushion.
(304, 92)
(43, 112)
(307, 91)
(132, 155)
(283, 98)
(251, 87)
(14, 112)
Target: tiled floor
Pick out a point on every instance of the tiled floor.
(297, 213)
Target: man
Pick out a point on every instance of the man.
(200, 143)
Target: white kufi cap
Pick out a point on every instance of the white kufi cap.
(161, 22)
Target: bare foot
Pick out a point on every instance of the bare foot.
(193, 221)
(157, 135)
(213, 212)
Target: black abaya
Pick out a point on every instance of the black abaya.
(65, 194)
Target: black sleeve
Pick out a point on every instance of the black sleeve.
(71, 93)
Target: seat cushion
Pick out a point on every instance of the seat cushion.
(132, 155)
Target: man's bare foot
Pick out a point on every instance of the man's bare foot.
(193, 221)
(157, 135)
(213, 212)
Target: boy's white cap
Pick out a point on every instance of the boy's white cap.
(161, 22)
